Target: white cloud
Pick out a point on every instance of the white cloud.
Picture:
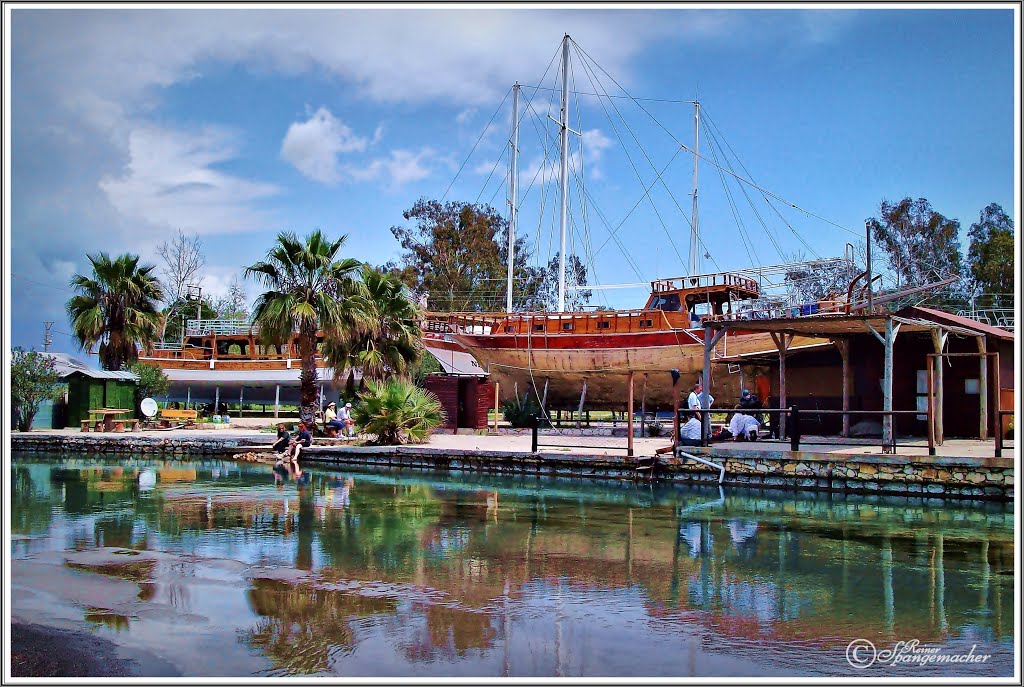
(313, 146)
(465, 115)
(401, 167)
(170, 181)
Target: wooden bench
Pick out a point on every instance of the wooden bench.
(169, 414)
(131, 424)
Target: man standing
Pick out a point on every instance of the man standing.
(693, 400)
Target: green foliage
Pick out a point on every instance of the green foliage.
(427, 365)
(116, 308)
(397, 412)
(152, 380)
(457, 253)
(546, 296)
(34, 379)
(919, 245)
(383, 336)
(175, 315)
(990, 256)
(519, 412)
(309, 288)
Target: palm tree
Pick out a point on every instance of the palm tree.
(387, 343)
(309, 289)
(115, 308)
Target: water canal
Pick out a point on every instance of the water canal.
(222, 568)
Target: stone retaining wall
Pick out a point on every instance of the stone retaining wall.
(989, 478)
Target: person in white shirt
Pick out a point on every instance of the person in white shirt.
(742, 427)
(694, 399)
(689, 432)
(345, 416)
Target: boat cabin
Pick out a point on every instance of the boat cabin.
(718, 291)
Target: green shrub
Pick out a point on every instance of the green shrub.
(519, 412)
(397, 412)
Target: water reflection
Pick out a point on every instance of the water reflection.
(525, 576)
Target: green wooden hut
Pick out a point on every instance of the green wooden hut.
(92, 389)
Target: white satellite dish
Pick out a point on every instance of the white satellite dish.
(148, 407)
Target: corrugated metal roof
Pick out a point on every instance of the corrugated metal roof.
(65, 364)
(106, 374)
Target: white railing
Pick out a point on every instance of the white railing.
(204, 327)
(1004, 318)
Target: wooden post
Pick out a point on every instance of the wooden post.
(983, 389)
(216, 401)
(705, 418)
(497, 386)
(844, 352)
(188, 397)
(782, 341)
(241, 390)
(675, 409)
(931, 403)
(939, 343)
(277, 400)
(629, 418)
(890, 337)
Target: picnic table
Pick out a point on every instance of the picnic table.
(107, 417)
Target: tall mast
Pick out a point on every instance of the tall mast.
(513, 213)
(694, 232)
(564, 173)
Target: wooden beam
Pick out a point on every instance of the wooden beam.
(939, 343)
(844, 352)
(887, 424)
(983, 389)
(629, 418)
(782, 342)
(497, 388)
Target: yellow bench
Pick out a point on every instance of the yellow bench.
(169, 414)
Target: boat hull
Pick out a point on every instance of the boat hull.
(453, 356)
(564, 363)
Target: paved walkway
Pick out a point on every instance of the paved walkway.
(592, 445)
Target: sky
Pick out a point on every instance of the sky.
(128, 125)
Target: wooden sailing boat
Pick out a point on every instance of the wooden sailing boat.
(570, 359)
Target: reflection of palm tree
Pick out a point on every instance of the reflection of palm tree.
(304, 628)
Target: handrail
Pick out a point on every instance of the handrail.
(721, 469)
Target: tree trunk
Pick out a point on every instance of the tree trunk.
(25, 420)
(308, 376)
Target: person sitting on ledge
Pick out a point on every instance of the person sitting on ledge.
(283, 439)
(689, 432)
(304, 439)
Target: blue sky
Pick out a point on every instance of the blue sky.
(234, 124)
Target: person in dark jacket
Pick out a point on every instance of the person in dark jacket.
(283, 439)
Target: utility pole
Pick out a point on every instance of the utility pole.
(47, 339)
(563, 222)
(513, 211)
(195, 292)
